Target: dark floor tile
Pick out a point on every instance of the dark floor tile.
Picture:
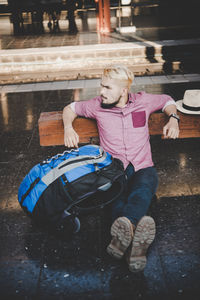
(178, 226)
(77, 251)
(20, 239)
(9, 175)
(9, 200)
(14, 146)
(14, 221)
(177, 165)
(178, 241)
(84, 283)
(4, 195)
(119, 282)
(175, 90)
(154, 275)
(18, 279)
(182, 275)
(175, 150)
(13, 248)
(63, 96)
(22, 111)
(39, 153)
(181, 211)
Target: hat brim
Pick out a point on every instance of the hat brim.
(179, 105)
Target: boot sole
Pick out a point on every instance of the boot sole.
(143, 237)
(122, 233)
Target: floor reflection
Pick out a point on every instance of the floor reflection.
(20, 111)
(4, 109)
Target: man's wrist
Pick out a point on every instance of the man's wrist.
(174, 116)
(68, 126)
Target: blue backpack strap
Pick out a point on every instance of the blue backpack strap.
(33, 184)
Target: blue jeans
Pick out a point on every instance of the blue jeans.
(136, 199)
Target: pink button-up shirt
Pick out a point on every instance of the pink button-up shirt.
(124, 132)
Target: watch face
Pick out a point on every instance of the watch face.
(175, 115)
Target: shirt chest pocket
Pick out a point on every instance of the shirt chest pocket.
(139, 119)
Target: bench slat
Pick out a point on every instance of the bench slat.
(51, 129)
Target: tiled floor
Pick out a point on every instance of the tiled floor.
(151, 25)
(36, 264)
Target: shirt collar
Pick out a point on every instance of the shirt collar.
(131, 98)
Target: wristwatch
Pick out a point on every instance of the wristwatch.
(175, 116)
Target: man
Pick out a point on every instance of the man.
(122, 120)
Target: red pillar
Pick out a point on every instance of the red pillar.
(103, 19)
(106, 15)
(100, 27)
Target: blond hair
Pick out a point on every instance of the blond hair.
(120, 73)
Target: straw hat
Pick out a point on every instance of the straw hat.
(190, 103)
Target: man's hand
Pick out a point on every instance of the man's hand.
(171, 129)
(71, 138)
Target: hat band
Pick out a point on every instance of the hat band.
(191, 108)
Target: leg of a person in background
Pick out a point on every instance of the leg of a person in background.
(71, 7)
(50, 21)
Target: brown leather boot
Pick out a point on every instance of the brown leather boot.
(143, 237)
(122, 233)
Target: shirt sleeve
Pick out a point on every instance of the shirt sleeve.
(85, 108)
(155, 102)
(72, 105)
(168, 103)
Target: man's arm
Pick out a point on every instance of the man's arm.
(71, 138)
(171, 129)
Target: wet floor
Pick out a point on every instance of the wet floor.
(35, 263)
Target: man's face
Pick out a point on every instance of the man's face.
(111, 92)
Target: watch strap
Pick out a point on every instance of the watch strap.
(175, 116)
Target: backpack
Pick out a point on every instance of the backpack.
(74, 182)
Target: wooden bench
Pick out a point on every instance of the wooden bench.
(51, 129)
